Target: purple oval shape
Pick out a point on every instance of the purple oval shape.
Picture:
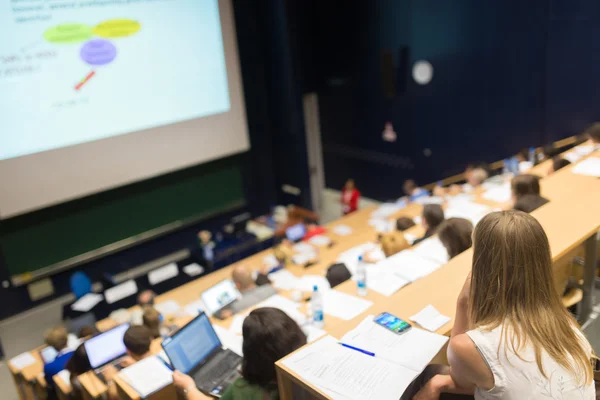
(98, 52)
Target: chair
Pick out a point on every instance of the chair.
(337, 274)
(80, 284)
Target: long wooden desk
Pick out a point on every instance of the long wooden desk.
(440, 288)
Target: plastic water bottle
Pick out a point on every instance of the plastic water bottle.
(532, 156)
(361, 277)
(316, 306)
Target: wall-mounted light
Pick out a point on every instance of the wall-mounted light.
(422, 72)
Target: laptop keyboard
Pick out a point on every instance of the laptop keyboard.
(220, 368)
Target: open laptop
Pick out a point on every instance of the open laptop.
(220, 296)
(295, 233)
(197, 351)
(106, 348)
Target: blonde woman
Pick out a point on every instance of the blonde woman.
(512, 337)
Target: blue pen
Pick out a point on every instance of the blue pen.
(357, 349)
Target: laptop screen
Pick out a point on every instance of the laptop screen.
(106, 347)
(192, 344)
(220, 295)
(295, 232)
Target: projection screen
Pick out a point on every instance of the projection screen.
(96, 94)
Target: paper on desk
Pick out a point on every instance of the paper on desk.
(584, 150)
(418, 219)
(312, 333)
(381, 225)
(429, 200)
(287, 306)
(147, 376)
(303, 258)
(383, 280)
(350, 256)
(73, 341)
(500, 194)
(270, 261)
(319, 240)
(589, 167)
(231, 341)
(237, 322)
(87, 302)
(163, 355)
(432, 249)
(430, 318)
(167, 307)
(23, 360)
(525, 166)
(194, 308)
(163, 273)
(283, 279)
(344, 306)
(410, 238)
(342, 230)
(121, 291)
(303, 247)
(344, 372)
(385, 210)
(65, 376)
(473, 211)
(308, 282)
(193, 269)
(413, 349)
(409, 265)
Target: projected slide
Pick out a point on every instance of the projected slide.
(76, 71)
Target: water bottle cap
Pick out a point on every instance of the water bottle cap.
(360, 258)
(315, 288)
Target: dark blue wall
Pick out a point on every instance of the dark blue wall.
(507, 75)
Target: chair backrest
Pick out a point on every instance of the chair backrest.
(337, 273)
(80, 284)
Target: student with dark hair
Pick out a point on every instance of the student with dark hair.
(455, 235)
(558, 163)
(404, 223)
(151, 320)
(432, 217)
(524, 184)
(593, 133)
(549, 152)
(77, 365)
(529, 203)
(269, 335)
(412, 191)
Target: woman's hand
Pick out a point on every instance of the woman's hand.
(183, 381)
(109, 372)
(465, 293)
(432, 389)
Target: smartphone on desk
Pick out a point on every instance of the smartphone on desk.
(392, 323)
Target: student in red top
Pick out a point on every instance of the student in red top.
(350, 197)
(312, 229)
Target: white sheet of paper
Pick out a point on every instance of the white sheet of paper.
(194, 308)
(430, 318)
(163, 356)
(473, 211)
(167, 307)
(121, 291)
(429, 200)
(303, 248)
(73, 341)
(432, 249)
(147, 376)
(303, 258)
(23, 360)
(384, 281)
(500, 194)
(572, 157)
(409, 265)
(418, 219)
(287, 306)
(413, 349)
(312, 333)
(163, 273)
(349, 373)
(284, 280)
(344, 306)
(87, 302)
(237, 323)
(350, 256)
(410, 238)
(319, 240)
(270, 261)
(584, 150)
(385, 210)
(342, 230)
(308, 282)
(231, 341)
(193, 269)
(589, 167)
(65, 376)
(381, 225)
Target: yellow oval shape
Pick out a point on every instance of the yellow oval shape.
(68, 33)
(115, 28)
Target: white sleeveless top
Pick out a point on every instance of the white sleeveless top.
(516, 379)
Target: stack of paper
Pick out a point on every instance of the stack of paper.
(409, 265)
(284, 280)
(229, 340)
(319, 240)
(193, 269)
(499, 194)
(589, 167)
(433, 250)
(163, 273)
(344, 306)
(349, 374)
(147, 376)
(342, 230)
(23, 360)
(120, 291)
(87, 302)
(413, 349)
(430, 318)
(167, 307)
(308, 282)
(385, 210)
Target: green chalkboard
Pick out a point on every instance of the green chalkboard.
(36, 240)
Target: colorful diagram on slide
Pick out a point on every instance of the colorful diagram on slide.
(97, 49)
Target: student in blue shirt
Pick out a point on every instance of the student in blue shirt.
(57, 338)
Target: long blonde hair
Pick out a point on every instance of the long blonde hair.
(512, 286)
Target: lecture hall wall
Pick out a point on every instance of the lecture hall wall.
(507, 75)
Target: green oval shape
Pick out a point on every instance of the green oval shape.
(68, 33)
(115, 28)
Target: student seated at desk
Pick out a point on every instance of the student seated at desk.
(251, 293)
(312, 230)
(146, 297)
(455, 235)
(404, 223)
(529, 203)
(269, 335)
(524, 184)
(475, 175)
(350, 197)
(152, 320)
(391, 243)
(593, 133)
(431, 218)
(58, 338)
(78, 364)
(412, 191)
(558, 163)
(512, 337)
